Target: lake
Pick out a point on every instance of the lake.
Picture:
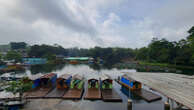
(87, 71)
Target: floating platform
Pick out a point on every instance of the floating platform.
(56, 93)
(93, 94)
(110, 95)
(73, 94)
(37, 93)
(147, 95)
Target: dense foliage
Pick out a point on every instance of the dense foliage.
(20, 86)
(13, 55)
(163, 51)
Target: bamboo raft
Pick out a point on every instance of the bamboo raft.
(93, 94)
(93, 91)
(76, 88)
(73, 94)
(45, 84)
(37, 93)
(63, 83)
(108, 93)
(56, 93)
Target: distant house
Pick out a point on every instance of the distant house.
(34, 61)
(75, 60)
(59, 56)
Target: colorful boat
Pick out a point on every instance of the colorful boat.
(63, 85)
(64, 81)
(42, 86)
(76, 88)
(136, 88)
(48, 80)
(108, 93)
(106, 82)
(77, 82)
(93, 91)
(130, 83)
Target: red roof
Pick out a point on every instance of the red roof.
(50, 75)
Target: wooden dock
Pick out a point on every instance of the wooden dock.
(73, 94)
(56, 93)
(179, 88)
(93, 94)
(110, 95)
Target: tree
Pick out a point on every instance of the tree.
(142, 54)
(50, 57)
(1, 56)
(19, 86)
(42, 50)
(13, 55)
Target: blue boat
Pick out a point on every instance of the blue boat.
(130, 83)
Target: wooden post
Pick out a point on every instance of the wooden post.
(129, 104)
(166, 106)
(168, 100)
(119, 78)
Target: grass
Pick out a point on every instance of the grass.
(166, 65)
(153, 64)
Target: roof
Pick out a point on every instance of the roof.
(105, 77)
(127, 77)
(93, 79)
(77, 58)
(36, 76)
(50, 75)
(33, 59)
(65, 76)
(77, 76)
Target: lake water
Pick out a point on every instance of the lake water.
(87, 71)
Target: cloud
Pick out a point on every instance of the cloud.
(89, 23)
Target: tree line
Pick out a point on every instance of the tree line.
(159, 50)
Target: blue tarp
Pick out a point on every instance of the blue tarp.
(126, 81)
(36, 83)
(68, 81)
(54, 80)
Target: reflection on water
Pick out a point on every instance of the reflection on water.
(87, 71)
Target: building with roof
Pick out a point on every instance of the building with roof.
(34, 61)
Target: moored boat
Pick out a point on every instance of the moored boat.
(64, 81)
(108, 93)
(76, 88)
(93, 91)
(42, 86)
(130, 83)
(63, 85)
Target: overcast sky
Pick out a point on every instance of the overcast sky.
(89, 23)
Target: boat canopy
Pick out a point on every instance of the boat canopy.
(78, 77)
(65, 76)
